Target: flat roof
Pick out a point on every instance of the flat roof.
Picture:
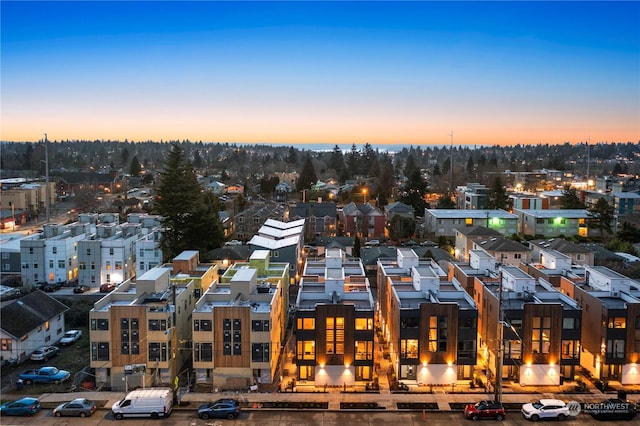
(476, 214)
(550, 214)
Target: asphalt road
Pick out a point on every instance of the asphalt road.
(294, 418)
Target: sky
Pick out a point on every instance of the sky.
(409, 73)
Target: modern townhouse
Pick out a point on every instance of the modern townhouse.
(472, 196)
(445, 222)
(186, 267)
(334, 322)
(552, 265)
(52, 255)
(398, 208)
(139, 333)
(553, 223)
(535, 327)
(238, 326)
(248, 222)
(430, 323)
(481, 264)
(285, 241)
(611, 324)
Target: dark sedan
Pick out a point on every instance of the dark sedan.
(78, 407)
(219, 410)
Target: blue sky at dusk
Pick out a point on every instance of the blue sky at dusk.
(325, 72)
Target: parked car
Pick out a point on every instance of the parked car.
(81, 289)
(611, 409)
(545, 409)
(78, 407)
(20, 407)
(219, 410)
(44, 375)
(43, 353)
(10, 362)
(51, 287)
(233, 243)
(107, 287)
(485, 410)
(372, 243)
(70, 337)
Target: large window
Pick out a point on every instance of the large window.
(513, 349)
(5, 344)
(335, 335)
(364, 323)
(100, 351)
(570, 349)
(306, 323)
(100, 324)
(307, 349)
(540, 336)
(615, 348)
(259, 325)
(409, 348)
(203, 352)
(437, 333)
(129, 336)
(157, 351)
(364, 350)
(157, 325)
(260, 352)
(232, 336)
(571, 323)
(202, 325)
(617, 322)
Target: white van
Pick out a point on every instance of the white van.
(152, 402)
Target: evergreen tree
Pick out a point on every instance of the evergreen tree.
(628, 232)
(410, 166)
(601, 216)
(336, 160)
(570, 199)
(124, 155)
(292, 157)
(401, 227)
(385, 181)
(470, 165)
(436, 170)
(307, 175)
(190, 216)
(353, 161)
(497, 197)
(135, 168)
(414, 191)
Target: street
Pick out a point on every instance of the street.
(290, 418)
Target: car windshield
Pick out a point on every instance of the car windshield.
(537, 405)
(69, 334)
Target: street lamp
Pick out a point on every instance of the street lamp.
(364, 195)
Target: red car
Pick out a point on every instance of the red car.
(484, 410)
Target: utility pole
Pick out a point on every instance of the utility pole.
(46, 174)
(588, 158)
(498, 384)
(174, 343)
(451, 164)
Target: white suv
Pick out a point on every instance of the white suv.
(545, 409)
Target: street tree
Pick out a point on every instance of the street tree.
(135, 168)
(414, 191)
(189, 215)
(401, 227)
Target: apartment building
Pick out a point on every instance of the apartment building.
(238, 326)
(472, 196)
(430, 323)
(248, 222)
(334, 322)
(444, 222)
(540, 327)
(139, 333)
(611, 323)
(52, 255)
(553, 223)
